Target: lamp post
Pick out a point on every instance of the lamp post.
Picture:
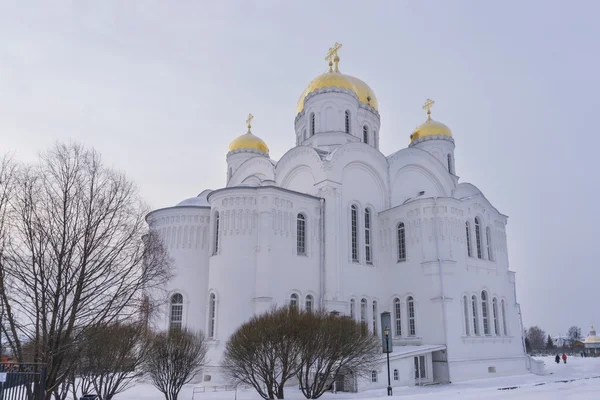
(386, 331)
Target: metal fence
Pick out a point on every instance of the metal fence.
(22, 381)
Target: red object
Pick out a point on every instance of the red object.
(564, 357)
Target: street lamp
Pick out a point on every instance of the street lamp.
(386, 332)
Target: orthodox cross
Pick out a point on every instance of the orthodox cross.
(332, 56)
(427, 106)
(249, 121)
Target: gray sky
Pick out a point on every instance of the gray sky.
(160, 88)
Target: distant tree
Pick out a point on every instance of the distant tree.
(173, 359)
(574, 334)
(527, 345)
(549, 343)
(536, 338)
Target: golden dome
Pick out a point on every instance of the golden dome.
(249, 142)
(430, 127)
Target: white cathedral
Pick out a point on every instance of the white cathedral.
(335, 224)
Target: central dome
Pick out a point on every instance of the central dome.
(337, 79)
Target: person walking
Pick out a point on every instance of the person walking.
(564, 357)
(557, 359)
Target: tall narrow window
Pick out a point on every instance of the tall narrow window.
(374, 317)
(347, 121)
(309, 304)
(495, 311)
(468, 238)
(353, 309)
(401, 242)
(363, 311)
(412, 328)
(475, 315)
(294, 300)
(449, 163)
(466, 312)
(216, 249)
(398, 316)
(301, 234)
(484, 313)
(478, 238)
(504, 326)
(176, 311)
(312, 124)
(354, 233)
(488, 240)
(365, 134)
(368, 255)
(212, 314)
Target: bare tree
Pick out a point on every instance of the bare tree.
(537, 338)
(332, 345)
(72, 256)
(574, 334)
(174, 358)
(111, 358)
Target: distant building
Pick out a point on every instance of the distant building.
(592, 343)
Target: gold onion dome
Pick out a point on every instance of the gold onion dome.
(248, 141)
(430, 127)
(334, 78)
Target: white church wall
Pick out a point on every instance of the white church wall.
(245, 166)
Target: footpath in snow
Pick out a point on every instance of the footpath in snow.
(578, 379)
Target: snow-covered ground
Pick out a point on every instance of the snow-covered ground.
(578, 379)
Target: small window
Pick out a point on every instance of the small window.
(216, 243)
(363, 311)
(212, 309)
(398, 316)
(294, 300)
(312, 124)
(374, 376)
(478, 238)
(412, 327)
(309, 304)
(176, 311)
(347, 121)
(420, 369)
(449, 163)
(488, 239)
(401, 242)
(354, 231)
(352, 309)
(365, 134)
(368, 254)
(484, 313)
(468, 238)
(374, 317)
(475, 315)
(301, 235)
(396, 375)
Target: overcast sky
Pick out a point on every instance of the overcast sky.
(161, 88)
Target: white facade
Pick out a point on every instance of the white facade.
(381, 233)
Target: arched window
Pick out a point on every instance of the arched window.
(398, 316)
(495, 311)
(365, 134)
(368, 255)
(412, 328)
(176, 311)
(212, 315)
(309, 303)
(363, 311)
(468, 237)
(401, 242)
(354, 232)
(488, 240)
(312, 124)
(374, 376)
(466, 312)
(449, 163)
(301, 235)
(347, 121)
(352, 309)
(504, 326)
(396, 375)
(216, 242)
(475, 315)
(294, 300)
(374, 317)
(478, 238)
(484, 313)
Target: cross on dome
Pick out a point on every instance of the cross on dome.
(427, 106)
(249, 121)
(332, 56)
